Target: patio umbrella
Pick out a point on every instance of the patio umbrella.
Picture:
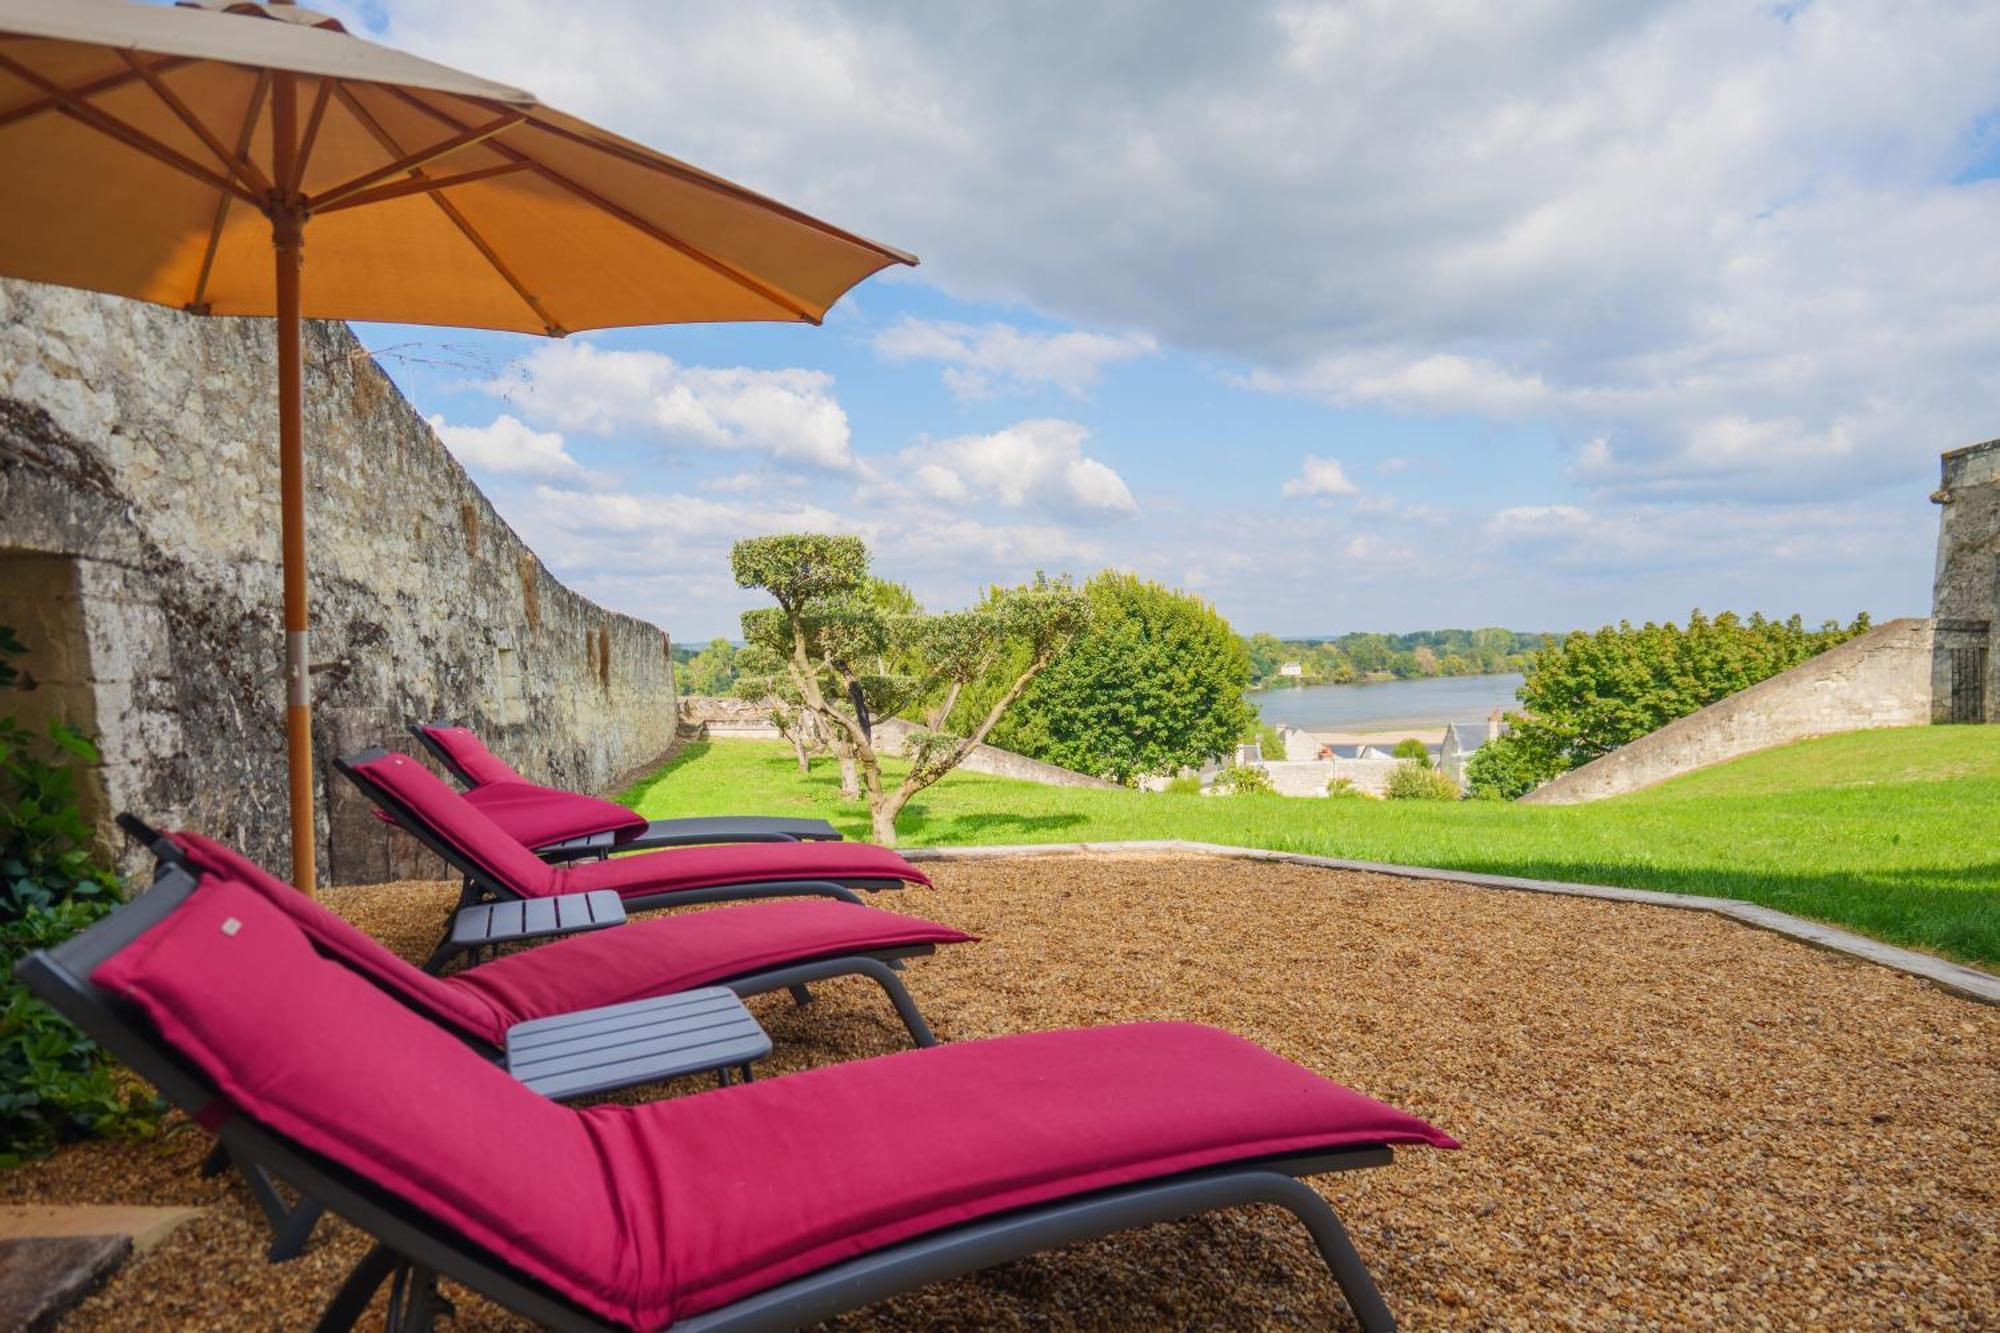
(195, 155)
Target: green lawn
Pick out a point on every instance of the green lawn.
(1892, 833)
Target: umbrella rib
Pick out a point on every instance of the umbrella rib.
(418, 184)
(412, 161)
(244, 171)
(729, 189)
(110, 126)
(310, 137)
(91, 89)
(458, 219)
(630, 219)
(243, 136)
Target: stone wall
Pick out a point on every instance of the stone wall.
(728, 719)
(890, 734)
(1879, 679)
(139, 554)
(1965, 601)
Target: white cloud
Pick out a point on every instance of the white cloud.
(986, 360)
(1033, 464)
(509, 448)
(791, 415)
(1319, 476)
(1647, 217)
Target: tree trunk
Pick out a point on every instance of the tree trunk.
(799, 748)
(884, 821)
(850, 779)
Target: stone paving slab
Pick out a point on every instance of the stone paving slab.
(1969, 982)
(42, 1277)
(143, 1227)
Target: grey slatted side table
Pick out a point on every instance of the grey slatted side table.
(486, 924)
(619, 1045)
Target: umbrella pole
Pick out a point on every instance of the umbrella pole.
(285, 230)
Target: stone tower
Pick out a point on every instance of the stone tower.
(1965, 602)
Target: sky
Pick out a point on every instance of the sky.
(1374, 316)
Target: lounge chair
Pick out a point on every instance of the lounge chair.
(496, 865)
(752, 950)
(765, 1205)
(566, 826)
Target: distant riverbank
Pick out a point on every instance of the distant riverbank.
(1386, 705)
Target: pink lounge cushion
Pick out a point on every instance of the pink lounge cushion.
(537, 816)
(675, 953)
(464, 1008)
(649, 1213)
(932, 1138)
(317, 1054)
(676, 868)
(461, 824)
(636, 961)
(470, 755)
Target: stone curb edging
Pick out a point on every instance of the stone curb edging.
(1968, 982)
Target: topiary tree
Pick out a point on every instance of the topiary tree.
(851, 656)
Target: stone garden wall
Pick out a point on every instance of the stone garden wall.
(139, 555)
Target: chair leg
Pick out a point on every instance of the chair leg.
(1342, 1259)
(801, 995)
(351, 1301)
(291, 1225)
(215, 1163)
(899, 995)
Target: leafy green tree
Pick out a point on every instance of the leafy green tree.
(1593, 692)
(1156, 684)
(712, 671)
(1411, 748)
(849, 661)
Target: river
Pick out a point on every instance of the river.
(1386, 705)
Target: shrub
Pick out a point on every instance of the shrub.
(55, 1083)
(1344, 788)
(1413, 781)
(1186, 784)
(1411, 748)
(1154, 684)
(1243, 780)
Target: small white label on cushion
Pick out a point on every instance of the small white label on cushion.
(231, 925)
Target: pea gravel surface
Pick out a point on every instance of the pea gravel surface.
(1670, 1120)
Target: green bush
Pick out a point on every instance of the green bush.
(1344, 789)
(1243, 780)
(1187, 784)
(55, 1084)
(1414, 781)
(1153, 685)
(1411, 748)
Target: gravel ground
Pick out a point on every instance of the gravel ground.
(1669, 1119)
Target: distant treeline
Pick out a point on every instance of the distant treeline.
(1429, 652)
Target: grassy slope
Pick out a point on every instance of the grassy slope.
(1893, 833)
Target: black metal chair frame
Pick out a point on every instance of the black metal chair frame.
(413, 1251)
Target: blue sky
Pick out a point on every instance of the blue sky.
(1344, 316)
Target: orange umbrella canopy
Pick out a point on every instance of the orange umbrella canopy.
(143, 146)
(199, 156)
